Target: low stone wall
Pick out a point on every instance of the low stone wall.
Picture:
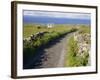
(33, 37)
(84, 44)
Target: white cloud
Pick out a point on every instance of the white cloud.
(58, 14)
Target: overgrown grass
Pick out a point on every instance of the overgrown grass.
(71, 59)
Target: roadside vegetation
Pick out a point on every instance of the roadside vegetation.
(79, 48)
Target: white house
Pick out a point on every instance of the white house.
(50, 25)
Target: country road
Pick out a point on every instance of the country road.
(52, 55)
(57, 53)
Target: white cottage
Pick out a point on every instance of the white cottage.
(50, 25)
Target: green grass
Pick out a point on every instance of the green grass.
(84, 29)
(71, 59)
(33, 28)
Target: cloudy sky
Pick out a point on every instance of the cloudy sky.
(57, 14)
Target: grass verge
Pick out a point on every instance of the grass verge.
(72, 60)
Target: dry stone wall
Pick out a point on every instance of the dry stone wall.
(84, 45)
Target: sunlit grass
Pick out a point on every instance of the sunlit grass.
(71, 59)
(84, 29)
(32, 29)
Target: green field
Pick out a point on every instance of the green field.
(84, 29)
(29, 29)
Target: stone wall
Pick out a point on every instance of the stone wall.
(84, 45)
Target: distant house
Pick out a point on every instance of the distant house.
(50, 25)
